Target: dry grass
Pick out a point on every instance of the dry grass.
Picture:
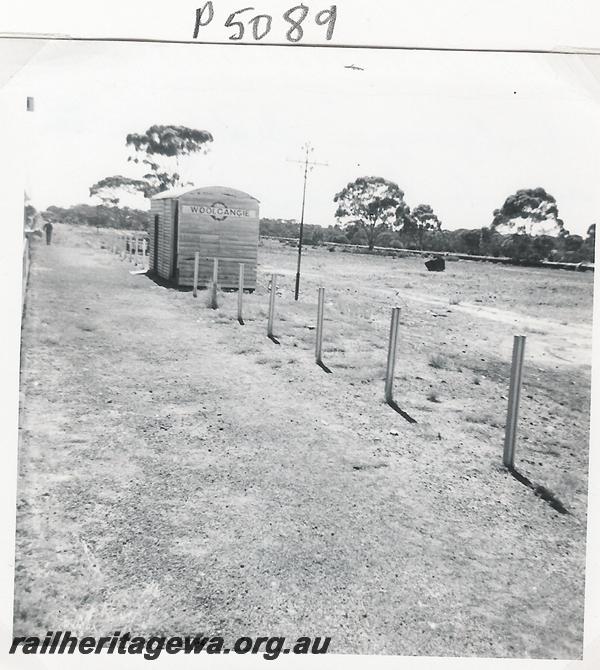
(94, 605)
(433, 396)
(484, 418)
(534, 331)
(439, 362)
(247, 349)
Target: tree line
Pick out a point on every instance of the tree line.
(526, 228)
(100, 216)
(370, 211)
(520, 247)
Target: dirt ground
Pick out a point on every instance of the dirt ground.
(180, 473)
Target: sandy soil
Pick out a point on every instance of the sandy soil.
(181, 473)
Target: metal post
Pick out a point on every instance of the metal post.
(272, 305)
(391, 360)
(320, 310)
(213, 298)
(240, 293)
(196, 266)
(514, 395)
(297, 287)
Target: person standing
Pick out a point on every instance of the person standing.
(48, 229)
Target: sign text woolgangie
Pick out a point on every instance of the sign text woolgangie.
(218, 211)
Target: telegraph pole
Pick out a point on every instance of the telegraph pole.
(307, 151)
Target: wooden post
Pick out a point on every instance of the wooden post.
(391, 360)
(196, 266)
(240, 293)
(514, 395)
(137, 250)
(272, 305)
(213, 297)
(144, 245)
(319, 342)
(130, 249)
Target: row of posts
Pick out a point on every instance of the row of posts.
(132, 243)
(516, 374)
(132, 248)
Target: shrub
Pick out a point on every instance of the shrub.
(438, 361)
(433, 396)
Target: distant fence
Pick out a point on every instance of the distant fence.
(26, 266)
(450, 255)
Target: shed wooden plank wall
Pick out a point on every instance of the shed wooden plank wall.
(234, 238)
(154, 212)
(164, 208)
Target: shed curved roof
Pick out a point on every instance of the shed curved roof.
(213, 191)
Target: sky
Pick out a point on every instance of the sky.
(458, 131)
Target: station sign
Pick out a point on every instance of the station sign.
(219, 211)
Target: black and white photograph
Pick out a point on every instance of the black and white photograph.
(305, 346)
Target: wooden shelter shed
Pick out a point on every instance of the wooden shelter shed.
(216, 221)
